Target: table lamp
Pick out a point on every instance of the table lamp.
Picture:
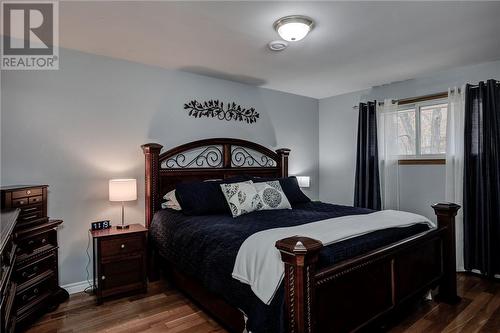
(122, 190)
(304, 181)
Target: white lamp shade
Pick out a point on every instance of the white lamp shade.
(304, 181)
(122, 190)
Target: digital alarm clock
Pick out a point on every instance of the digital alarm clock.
(99, 225)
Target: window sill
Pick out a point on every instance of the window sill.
(422, 161)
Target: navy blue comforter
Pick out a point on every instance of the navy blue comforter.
(205, 247)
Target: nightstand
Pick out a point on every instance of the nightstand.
(119, 261)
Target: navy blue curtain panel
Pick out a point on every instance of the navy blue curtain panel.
(482, 178)
(367, 182)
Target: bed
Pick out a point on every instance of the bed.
(341, 287)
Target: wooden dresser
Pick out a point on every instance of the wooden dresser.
(35, 272)
(8, 247)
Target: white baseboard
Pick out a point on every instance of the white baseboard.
(76, 287)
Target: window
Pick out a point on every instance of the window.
(422, 130)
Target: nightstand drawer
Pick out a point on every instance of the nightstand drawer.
(122, 246)
(122, 274)
(26, 193)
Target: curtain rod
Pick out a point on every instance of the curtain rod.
(423, 98)
(417, 99)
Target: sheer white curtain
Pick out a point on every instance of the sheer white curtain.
(455, 163)
(387, 122)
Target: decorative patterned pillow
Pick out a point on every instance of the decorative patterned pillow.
(290, 187)
(272, 195)
(242, 198)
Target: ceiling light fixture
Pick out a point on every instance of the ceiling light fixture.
(294, 27)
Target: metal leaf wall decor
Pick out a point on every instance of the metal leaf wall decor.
(217, 109)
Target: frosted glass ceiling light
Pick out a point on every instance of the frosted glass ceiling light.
(293, 28)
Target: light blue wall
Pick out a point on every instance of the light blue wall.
(419, 186)
(77, 127)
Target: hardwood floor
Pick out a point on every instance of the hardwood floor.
(163, 309)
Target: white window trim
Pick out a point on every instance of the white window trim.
(417, 106)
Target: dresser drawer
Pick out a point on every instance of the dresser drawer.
(7, 305)
(30, 244)
(27, 272)
(122, 246)
(35, 291)
(20, 202)
(30, 209)
(26, 193)
(30, 216)
(35, 200)
(7, 257)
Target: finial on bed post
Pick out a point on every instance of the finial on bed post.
(283, 161)
(152, 154)
(299, 255)
(446, 213)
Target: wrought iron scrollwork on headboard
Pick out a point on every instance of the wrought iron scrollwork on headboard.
(216, 158)
(209, 157)
(241, 157)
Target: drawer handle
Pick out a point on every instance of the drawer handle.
(122, 246)
(21, 202)
(44, 240)
(31, 242)
(28, 192)
(103, 277)
(33, 273)
(25, 297)
(35, 291)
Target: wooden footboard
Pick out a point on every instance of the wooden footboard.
(353, 294)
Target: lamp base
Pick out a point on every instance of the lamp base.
(126, 226)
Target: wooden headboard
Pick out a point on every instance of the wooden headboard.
(218, 158)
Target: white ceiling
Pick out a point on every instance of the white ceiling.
(355, 45)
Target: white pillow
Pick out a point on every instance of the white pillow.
(172, 202)
(272, 195)
(242, 198)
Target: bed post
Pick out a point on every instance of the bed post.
(283, 161)
(446, 213)
(300, 255)
(152, 154)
